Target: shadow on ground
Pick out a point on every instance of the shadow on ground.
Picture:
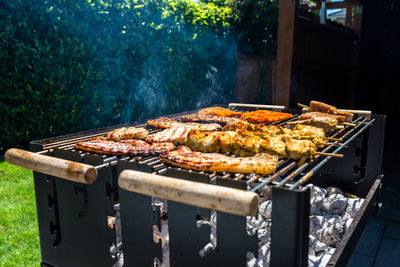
(379, 244)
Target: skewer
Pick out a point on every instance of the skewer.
(309, 174)
(334, 139)
(303, 106)
(329, 154)
(306, 121)
(298, 122)
(303, 167)
(348, 123)
(346, 113)
(324, 143)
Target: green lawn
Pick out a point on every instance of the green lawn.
(19, 237)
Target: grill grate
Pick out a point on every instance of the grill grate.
(156, 165)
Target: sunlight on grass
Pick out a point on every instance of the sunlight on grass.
(19, 237)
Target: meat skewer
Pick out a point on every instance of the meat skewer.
(219, 111)
(245, 143)
(327, 122)
(302, 132)
(322, 107)
(127, 133)
(126, 147)
(270, 129)
(210, 118)
(325, 108)
(164, 122)
(307, 132)
(262, 163)
(176, 135)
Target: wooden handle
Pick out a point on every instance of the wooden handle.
(256, 106)
(66, 169)
(220, 198)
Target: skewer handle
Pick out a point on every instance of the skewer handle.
(298, 122)
(329, 154)
(303, 106)
(220, 198)
(334, 139)
(66, 169)
(348, 123)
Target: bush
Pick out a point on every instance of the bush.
(256, 25)
(69, 66)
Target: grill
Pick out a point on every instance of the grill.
(98, 215)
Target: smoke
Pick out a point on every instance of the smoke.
(148, 95)
(213, 93)
(143, 63)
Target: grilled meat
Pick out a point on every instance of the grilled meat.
(210, 118)
(219, 111)
(164, 122)
(325, 108)
(265, 116)
(314, 114)
(126, 147)
(325, 121)
(299, 149)
(300, 132)
(214, 141)
(245, 143)
(127, 133)
(262, 164)
(307, 132)
(176, 135)
(244, 125)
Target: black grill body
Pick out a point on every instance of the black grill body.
(73, 227)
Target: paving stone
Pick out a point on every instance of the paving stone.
(390, 204)
(395, 209)
(389, 253)
(393, 230)
(357, 260)
(369, 241)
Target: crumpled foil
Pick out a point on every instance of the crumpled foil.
(331, 214)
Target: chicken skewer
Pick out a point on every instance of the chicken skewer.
(327, 122)
(245, 143)
(176, 135)
(209, 118)
(125, 133)
(164, 122)
(302, 132)
(325, 108)
(316, 106)
(300, 136)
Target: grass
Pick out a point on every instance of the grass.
(19, 237)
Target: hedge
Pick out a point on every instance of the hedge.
(68, 66)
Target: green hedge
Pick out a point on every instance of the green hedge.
(67, 66)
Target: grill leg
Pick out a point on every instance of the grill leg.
(290, 227)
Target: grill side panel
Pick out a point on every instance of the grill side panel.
(361, 164)
(72, 219)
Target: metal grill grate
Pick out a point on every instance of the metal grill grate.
(288, 167)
